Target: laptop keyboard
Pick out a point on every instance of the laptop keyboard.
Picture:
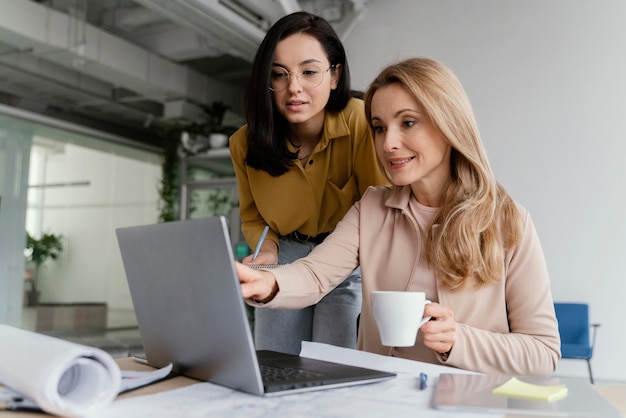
(277, 374)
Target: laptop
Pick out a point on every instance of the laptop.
(190, 313)
(473, 393)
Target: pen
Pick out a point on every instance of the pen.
(258, 245)
(423, 380)
(19, 404)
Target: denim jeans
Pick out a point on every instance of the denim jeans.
(332, 321)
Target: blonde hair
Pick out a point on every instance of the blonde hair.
(478, 221)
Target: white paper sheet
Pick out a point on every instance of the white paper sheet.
(62, 377)
(399, 397)
(373, 361)
(132, 379)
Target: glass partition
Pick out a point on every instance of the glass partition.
(81, 188)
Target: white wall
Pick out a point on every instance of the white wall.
(548, 83)
(120, 190)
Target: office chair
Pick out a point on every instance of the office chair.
(574, 328)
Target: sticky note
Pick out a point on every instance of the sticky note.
(516, 388)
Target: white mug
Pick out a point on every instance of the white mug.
(399, 315)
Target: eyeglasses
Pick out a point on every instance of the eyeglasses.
(310, 76)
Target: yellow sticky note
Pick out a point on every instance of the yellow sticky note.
(516, 388)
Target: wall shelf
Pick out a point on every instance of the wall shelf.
(208, 187)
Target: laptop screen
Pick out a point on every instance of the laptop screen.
(190, 312)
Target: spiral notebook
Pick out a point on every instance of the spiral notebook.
(190, 313)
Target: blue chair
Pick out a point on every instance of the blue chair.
(574, 327)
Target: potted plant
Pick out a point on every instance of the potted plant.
(37, 251)
(211, 133)
(168, 185)
(218, 134)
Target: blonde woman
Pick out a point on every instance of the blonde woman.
(445, 227)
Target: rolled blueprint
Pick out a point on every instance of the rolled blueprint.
(62, 377)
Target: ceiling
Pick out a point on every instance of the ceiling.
(134, 67)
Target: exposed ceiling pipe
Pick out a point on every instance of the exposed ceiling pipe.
(132, 18)
(214, 20)
(290, 6)
(359, 5)
(46, 121)
(106, 57)
(268, 10)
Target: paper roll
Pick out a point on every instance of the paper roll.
(62, 377)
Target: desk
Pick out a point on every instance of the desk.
(125, 364)
(205, 399)
(616, 394)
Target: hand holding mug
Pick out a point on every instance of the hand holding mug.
(398, 315)
(439, 334)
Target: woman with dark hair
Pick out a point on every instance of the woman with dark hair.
(303, 158)
(446, 227)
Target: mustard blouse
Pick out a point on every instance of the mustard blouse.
(314, 198)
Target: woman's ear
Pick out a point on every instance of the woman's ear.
(335, 76)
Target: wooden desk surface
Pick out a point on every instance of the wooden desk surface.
(616, 394)
(168, 384)
(125, 364)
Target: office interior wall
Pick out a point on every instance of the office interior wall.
(105, 189)
(547, 83)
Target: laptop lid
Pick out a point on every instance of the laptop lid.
(190, 311)
(473, 393)
(180, 277)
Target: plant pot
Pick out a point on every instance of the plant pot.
(218, 140)
(32, 298)
(80, 316)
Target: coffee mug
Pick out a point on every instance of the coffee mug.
(398, 316)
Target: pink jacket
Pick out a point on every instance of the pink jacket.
(504, 328)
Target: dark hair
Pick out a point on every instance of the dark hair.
(267, 128)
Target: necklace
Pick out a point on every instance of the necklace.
(298, 147)
(303, 160)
